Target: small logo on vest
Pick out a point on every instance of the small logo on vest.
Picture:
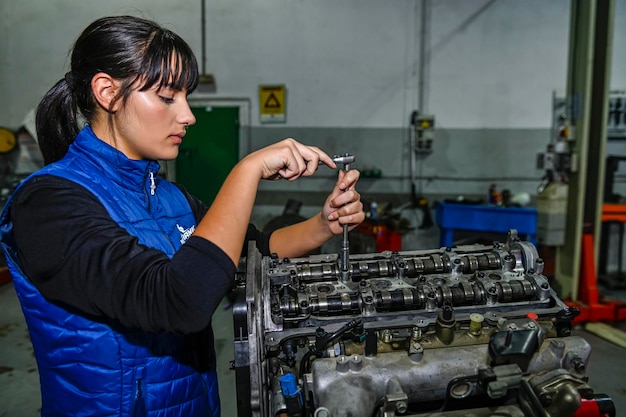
(185, 233)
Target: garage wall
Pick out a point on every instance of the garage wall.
(352, 73)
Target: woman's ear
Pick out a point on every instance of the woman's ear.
(105, 88)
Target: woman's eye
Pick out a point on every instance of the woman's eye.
(166, 100)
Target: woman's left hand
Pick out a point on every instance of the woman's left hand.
(343, 205)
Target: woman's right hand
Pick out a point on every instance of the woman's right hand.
(226, 221)
(288, 159)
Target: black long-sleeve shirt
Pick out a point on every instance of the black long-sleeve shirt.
(77, 256)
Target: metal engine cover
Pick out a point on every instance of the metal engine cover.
(473, 330)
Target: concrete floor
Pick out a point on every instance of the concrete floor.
(19, 383)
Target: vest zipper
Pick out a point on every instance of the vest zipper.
(139, 408)
(152, 187)
(152, 184)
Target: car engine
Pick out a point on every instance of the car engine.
(473, 330)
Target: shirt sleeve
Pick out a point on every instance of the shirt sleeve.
(83, 259)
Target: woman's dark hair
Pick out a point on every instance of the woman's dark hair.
(127, 48)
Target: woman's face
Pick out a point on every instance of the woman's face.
(152, 124)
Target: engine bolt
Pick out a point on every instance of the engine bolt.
(387, 336)
(476, 324)
(342, 364)
(416, 333)
(356, 363)
(322, 412)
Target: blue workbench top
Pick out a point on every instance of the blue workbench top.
(484, 218)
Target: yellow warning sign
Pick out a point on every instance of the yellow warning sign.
(272, 103)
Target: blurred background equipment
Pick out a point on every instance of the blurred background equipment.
(19, 157)
(8, 141)
(557, 162)
(421, 138)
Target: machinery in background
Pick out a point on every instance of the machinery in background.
(557, 162)
(423, 128)
(616, 128)
(8, 143)
(382, 230)
(613, 216)
(19, 156)
(450, 332)
(422, 136)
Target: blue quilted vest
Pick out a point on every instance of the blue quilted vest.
(89, 367)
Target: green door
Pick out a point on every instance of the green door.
(209, 151)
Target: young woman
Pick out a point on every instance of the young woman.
(118, 271)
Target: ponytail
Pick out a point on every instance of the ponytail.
(56, 121)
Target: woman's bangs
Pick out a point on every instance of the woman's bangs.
(169, 66)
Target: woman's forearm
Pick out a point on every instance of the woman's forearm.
(299, 239)
(226, 221)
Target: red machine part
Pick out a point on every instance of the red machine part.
(600, 406)
(589, 303)
(386, 238)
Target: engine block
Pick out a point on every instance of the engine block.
(474, 330)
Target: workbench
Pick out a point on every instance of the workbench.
(453, 217)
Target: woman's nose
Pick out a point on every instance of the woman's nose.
(188, 117)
